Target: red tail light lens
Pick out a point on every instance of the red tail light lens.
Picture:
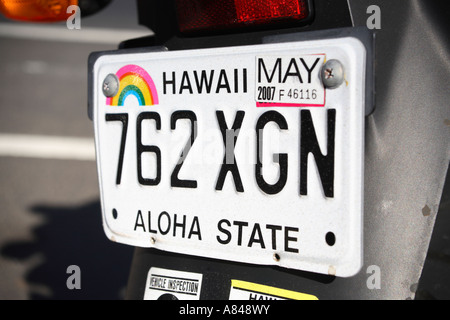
(202, 15)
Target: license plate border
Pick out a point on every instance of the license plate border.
(365, 36)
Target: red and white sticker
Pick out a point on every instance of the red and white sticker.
(289, 81)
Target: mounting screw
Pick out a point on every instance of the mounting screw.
(332, 74)
(110, 85)
(276, 257)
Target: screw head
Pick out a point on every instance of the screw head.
(332, 74)
(110, 85)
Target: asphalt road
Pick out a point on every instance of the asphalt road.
(50, 211)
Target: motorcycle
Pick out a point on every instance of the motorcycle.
(265, 150)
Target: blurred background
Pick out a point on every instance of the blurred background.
(50, 214)
(49, 199)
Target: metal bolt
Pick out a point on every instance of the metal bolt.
(332, 74)
(110, 85)
(276, 257)
(152, 240)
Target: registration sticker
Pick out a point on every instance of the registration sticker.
(289, 81)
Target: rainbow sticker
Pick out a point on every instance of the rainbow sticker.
(137, 82)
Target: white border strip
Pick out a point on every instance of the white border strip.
(61, 33)
(47, 147)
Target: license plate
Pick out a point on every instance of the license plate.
(236, 153)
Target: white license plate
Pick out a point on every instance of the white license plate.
(235, 153)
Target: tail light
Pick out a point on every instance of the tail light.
(203, 15)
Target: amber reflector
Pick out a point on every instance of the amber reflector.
(37, 10)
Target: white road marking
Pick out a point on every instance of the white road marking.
(47, 147)
(61, 33)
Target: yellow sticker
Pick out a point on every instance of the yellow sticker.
(243, 290)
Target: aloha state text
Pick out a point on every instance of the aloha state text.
(228, 232)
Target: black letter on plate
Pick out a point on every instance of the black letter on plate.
(309, 143)
(282, 157)
(142, 148)
(229, 160)
(123, 117)
(174, 181)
